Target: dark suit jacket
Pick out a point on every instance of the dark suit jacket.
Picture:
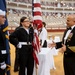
(69, 42)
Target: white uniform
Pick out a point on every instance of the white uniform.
(43, 35)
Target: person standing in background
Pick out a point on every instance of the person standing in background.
(23, 38)
(43, 35)
(3, 53)
(68, 41)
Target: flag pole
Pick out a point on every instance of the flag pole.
(32, 7)
(36, 69)
(33, 16)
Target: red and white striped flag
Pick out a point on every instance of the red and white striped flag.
(36, 47)
(37, 21)
(37, 15)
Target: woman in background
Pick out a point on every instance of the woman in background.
(43, 35)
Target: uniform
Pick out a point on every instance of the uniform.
(69, 56)
(43, 37)
(23, 40)
(3, 53)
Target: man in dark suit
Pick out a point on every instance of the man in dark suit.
(68, 41)
(3, 53)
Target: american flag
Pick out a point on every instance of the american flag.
(37, 15)
(36, 47)
(37, 20)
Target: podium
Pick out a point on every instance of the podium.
(46, 61)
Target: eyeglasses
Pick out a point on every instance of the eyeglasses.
(26, 21)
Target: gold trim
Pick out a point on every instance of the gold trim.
(72, 48)
(5, 29)
(7, 36)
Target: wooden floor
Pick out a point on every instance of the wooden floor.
(58, 63)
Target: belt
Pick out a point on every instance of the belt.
(25, 43)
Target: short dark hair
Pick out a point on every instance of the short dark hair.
(44, 24)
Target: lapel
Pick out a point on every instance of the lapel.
(25, 31)
(64, 36)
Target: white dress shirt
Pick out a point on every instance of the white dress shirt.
(43, 35)
(67, 34)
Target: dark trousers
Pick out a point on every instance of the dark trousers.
(29, 64)
(16, 64)
(2, 72)
(69, 64)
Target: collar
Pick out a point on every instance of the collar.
(72, 26)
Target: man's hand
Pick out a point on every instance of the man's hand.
(51, 45)
(63, 48)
